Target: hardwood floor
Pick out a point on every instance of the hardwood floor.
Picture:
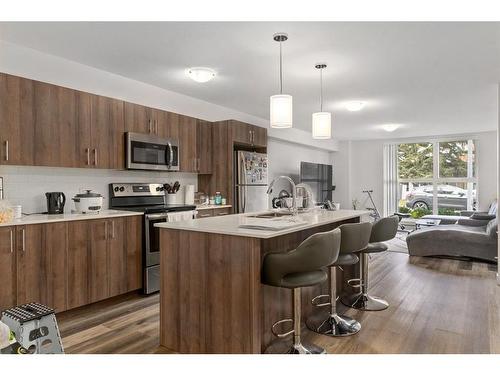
(436, 306)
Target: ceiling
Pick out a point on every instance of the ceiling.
(433, 78)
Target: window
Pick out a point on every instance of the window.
(437, 177)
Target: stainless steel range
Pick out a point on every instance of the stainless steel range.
(149, 199)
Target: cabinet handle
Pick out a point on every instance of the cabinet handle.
(112, 229)
(6, 150)
(222, 213)
(250, 136)
(95, 156)
(156, 127)
(198, 161)
(106, 230)
(149, 125)
(204, 215)
(87, 152)
(11, 241)
(24, 240)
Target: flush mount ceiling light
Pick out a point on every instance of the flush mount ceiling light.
(355, 105)
(281, 106)
(390, 127)
(321, 121)
(200, 74)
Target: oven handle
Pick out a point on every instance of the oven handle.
(162, 215)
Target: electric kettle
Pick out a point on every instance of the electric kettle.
(55, 202)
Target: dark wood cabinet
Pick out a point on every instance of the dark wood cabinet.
(133, 251)
(55, 283)
(204, 147)
(98, 273)
(187, 143)
(247, 134)
(55, 114)
(17, 134)
(117, 257)
(31, 265)
(107, 133)
(138, 118)
(7, 267)
(78, 264)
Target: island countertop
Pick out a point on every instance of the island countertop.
(230, 224)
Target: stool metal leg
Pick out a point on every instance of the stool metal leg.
(363, 301)
(331, 323)
(298, 347)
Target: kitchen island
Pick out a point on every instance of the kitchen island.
(211, 296)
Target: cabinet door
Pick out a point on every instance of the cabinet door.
(107, 133)
(56, 125)
(205, 213)
(78, 263)
(16, 120)
(31, 265)
(240, 132)
(98, 274)
(138, 119)
(56, 242)
(204, 147)
(133, 249)
(259, 136)
(187, 144)
(117, 259)
(7, 267)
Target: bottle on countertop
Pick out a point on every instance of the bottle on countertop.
(218, 198)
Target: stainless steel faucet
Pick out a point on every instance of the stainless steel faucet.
(294, 191)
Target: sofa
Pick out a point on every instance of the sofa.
(469, 238)
(475, 215)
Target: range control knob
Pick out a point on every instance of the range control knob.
(122, 188)
(158, 188)
(116, 188)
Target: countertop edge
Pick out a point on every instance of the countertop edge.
(36, 219)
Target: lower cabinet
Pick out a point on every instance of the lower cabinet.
(70, 264)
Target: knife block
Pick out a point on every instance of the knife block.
(174, 198)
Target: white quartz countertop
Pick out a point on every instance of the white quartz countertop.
(44, 218)
(212, 206)
(230, 224)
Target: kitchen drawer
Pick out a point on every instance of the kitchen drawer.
(205, 213)
(221, 211)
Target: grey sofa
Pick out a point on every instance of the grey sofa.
(468, 238)
(476, 215)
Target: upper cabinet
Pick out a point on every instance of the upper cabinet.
(247, 134)
(16, 120)
(204, 146)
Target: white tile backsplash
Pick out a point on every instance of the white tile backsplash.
(27, 185)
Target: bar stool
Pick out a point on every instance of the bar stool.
(353, 238)
(383, 230)
(295, 269)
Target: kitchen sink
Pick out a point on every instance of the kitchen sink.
(271, 215)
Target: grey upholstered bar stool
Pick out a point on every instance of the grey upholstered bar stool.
(354, 237)
(383, 230)
(295, 269)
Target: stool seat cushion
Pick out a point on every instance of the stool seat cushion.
(346, 260)
(375, 247)
(301, 279)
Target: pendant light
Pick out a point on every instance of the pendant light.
(321, 121)
(281, 105)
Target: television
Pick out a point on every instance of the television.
(320, 178)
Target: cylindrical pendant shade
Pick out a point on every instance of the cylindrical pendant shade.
(281, 111)
(322, 125)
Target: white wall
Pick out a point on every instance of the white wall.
(364, 171)
(285, 158)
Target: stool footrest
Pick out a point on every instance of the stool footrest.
(355, 283)
(315, 300)
(282, 335)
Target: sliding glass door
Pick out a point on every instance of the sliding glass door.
(437, 177)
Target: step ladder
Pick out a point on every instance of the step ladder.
(35, 328)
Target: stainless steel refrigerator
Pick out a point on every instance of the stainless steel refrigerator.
(250, 171)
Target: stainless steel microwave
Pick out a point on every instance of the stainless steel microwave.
(148, 152)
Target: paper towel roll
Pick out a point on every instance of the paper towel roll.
(189, 194)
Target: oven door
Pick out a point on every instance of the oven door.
(150, 152)
(152, 238)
